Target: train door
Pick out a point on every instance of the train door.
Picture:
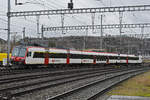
(46, 60)
(107, 60)
(127, 60)
(29, 58)
(94, 60)
(68, 57)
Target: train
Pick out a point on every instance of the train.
(33, 55)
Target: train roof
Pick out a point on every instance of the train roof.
(72, 50)
(104, 53)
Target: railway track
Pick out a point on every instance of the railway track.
(27, 76)
(97, 87)
(44, 82)
(11, 71)
(53, 80)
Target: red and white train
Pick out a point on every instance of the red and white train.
(29, 55)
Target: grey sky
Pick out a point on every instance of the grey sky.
(81, 19)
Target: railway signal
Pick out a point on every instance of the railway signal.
(16, 3)
(70, 5)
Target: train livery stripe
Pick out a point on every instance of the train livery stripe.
(127, 60)
(46, 61)
(68, 60)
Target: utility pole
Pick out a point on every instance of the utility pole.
(8, 37)
(128, 47)
(14, 38)
(101, 39)
(62, 23)
(24, 30)
(93, 19)
(120, 29)
(142, 41)
(42, 34)
(85, 38)
(38, 26)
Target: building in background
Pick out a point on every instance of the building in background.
(3, 46)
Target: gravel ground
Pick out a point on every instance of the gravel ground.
(48, 83)
(22, 75)
(107, 96)
(43, 94)
(45, 72)
(88, 92)
(52, 91)
(37, 80)
(84, 94)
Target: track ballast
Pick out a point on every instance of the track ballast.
(76, 79)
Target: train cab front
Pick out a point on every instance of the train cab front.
(17, 60)
(18, 56)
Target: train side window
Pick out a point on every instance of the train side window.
(39, 55)
(29, 54)
(57, 55)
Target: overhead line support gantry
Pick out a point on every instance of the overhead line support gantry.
(81, 10)
(84, 27)
(68, 11)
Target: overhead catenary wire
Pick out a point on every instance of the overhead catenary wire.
(66, 16)
(12, 24)
(56, 5)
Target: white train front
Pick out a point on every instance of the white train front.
(29, 55)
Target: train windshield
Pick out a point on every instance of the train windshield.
(19, 52)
